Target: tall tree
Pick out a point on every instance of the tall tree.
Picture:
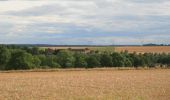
(118, 59)
(106, 60)
(80, 60)
(93, 61)
(4, 56)
(20, 60)
(66, 59)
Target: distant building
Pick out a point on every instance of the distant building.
(84, 50)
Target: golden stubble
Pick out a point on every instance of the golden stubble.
(86, 85)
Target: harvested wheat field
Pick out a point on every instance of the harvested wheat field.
(144, 49)
(130, 49)
(86, 85)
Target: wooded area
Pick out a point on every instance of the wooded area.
(22, 57)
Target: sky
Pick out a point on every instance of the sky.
(85, 22)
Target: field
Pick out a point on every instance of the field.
(130, 49)
(144, 49)
(86, 85)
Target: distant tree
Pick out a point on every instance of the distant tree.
(80, 60)
(150, 59)
(66, 59)
(93, 61)
(106, 60)
(35, 51)
(137, 60)
(49, 61)
(164, 59)
(43, 60)
(36, 61)
(20, 60)
(128, 62)
(52, 61)
(4, 56)
(14, 57)
(118, 60)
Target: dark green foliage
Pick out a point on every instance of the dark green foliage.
(66, 59)
(35, 51)
(118, 60)
(93, 61)
(106, 60)
(16, 57)
(80, 60)
(48, 61)
(127, 62)
(36, 61)
(137, 60)
(20, 60)
(150, 59)
(4, 57)
(51, 61)
(164, 59)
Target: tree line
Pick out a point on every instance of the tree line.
(20, 58)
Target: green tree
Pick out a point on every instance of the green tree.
(66, 59)
(118, 59)
(35, 51)
(36, 61)
(93, 61)
(127, 59)
(49, 61)
(80, 60)
(128, 62)
(165, 59)
(138, 60)
(106, 60)
(20, 60)
(4, 57)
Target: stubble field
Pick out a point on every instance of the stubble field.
(145, 49)
(130, 49)
(86, 85)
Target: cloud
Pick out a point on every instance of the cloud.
(124, 21)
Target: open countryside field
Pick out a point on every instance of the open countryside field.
(145, 49)
(86, 85)
(130, 49)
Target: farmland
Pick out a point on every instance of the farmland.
(93, 84)
(145, 49)
(130, 49)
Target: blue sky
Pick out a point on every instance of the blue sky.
(76, 22)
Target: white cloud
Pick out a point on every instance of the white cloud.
(28, 18)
